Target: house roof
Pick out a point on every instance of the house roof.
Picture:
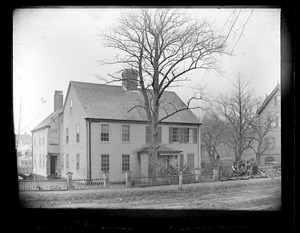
(163, 149)
(268, 99)
(45, 123)
(111, 102)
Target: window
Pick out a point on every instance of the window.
(62, 161)
(269, 159)
(125, 133)
(71, 107)
(175, 135)
(77, 162)
(39, 141)
(104, 163)
(67, 135)
(77, 133)
(277, 100)
(190, 136)
(40, 160)
(43, 161)
(104, 132)
(43, 141)
(269, 143)
(125, 163)
(67, 161)
(273, 121)
(54, 140)
(34, 143)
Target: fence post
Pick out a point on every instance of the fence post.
(70, 181)
(220, 171)
(128, 179)
(197, 171)
(106, 180)
(180, 180)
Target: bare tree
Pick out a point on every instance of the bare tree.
(212, 134)
(162, 45)
(239, 110)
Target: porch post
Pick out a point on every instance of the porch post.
(180, 180)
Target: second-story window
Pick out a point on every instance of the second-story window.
(269, 143)
(77, 133)
(273, 121)
(175, 135)
(71, 107)
(67, 161)
(104, 132)
(277, 100)
(125, 133)
(67, 135)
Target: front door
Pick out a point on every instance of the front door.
(53, 161)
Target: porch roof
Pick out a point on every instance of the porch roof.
(162, 150)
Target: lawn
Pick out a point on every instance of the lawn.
(252, 194)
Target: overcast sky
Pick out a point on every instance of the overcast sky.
(54, 46)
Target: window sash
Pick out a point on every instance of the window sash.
(77, 133)
(67, 135)
(125, 133)
(67, 161)
(104, 163)
(104, 132)
(175, 135)
(71, 106)
(125, 163)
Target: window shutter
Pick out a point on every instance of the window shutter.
(159, 134)
(185, 134)
(195, 135)
(147, 134)
(181, 135)
(170, 134)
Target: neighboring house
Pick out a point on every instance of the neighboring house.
(270, 114)
(24, 153)
(46, 141)
(23, 142)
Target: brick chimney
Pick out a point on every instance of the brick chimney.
(58, 100)
(129, 79)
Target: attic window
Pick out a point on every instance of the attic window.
(71, 107)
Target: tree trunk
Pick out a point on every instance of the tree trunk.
(153, 146)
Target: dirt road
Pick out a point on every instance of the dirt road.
(253, 194)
